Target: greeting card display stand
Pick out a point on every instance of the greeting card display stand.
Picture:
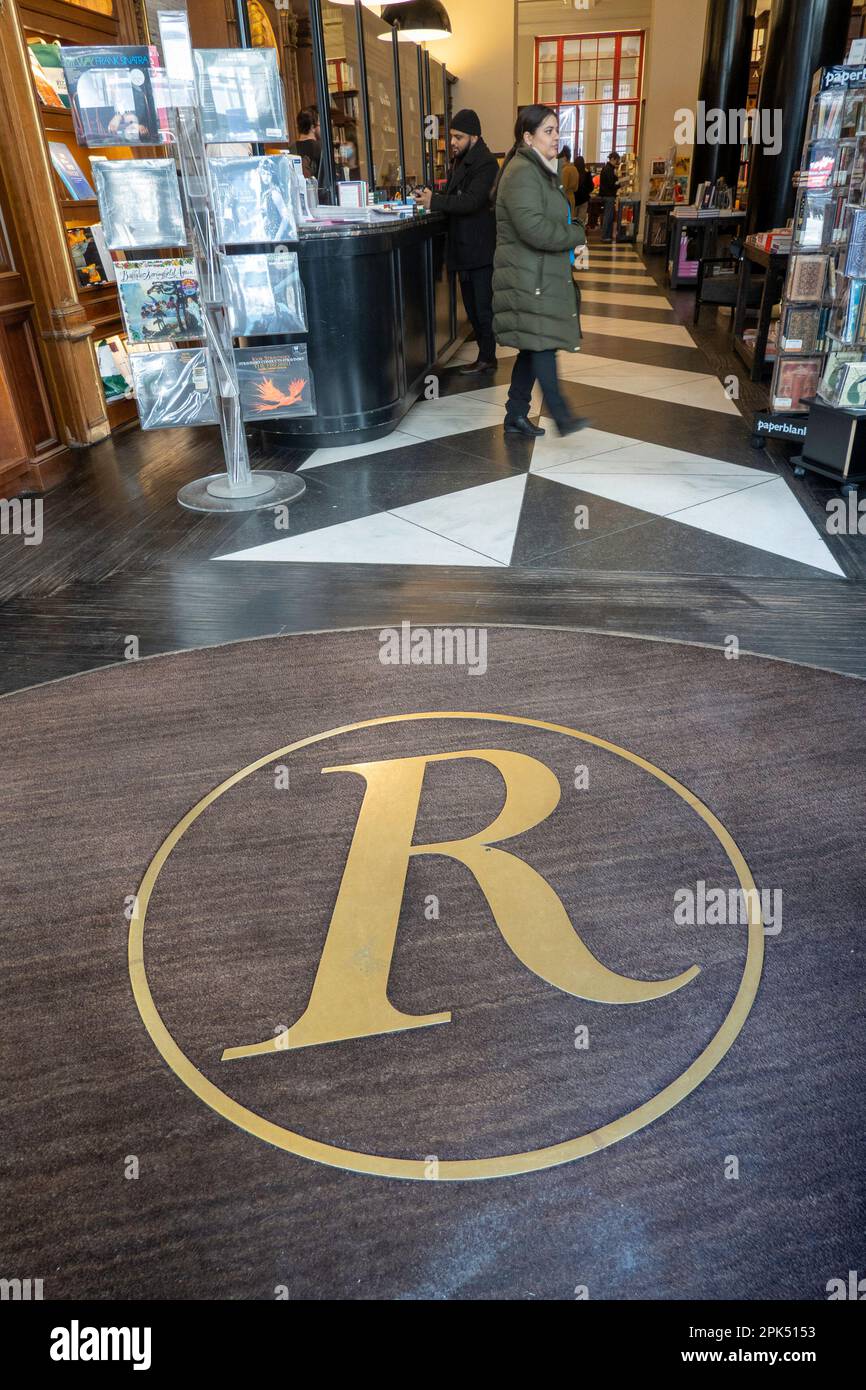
(197, 99)
(238, 489)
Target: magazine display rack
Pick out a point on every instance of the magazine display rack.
(822, 326)
(187, 200)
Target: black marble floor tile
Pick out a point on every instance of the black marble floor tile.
(670, 355)
(588, 284)
(663, 545)
(353, 488)
(549, 516)
(604, 309)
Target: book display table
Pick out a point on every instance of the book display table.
(694, 237)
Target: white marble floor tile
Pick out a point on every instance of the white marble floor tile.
(552, 451)
(621, 297)
(382, 539)
(704, 393)
(650, 492)
(399, 439)
(483, 517)
(633, 456)
(768, 517)
(451, 415)
(672, 333)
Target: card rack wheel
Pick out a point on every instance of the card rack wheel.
(799, 472)
(757, 442)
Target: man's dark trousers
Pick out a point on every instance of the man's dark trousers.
(476, 286)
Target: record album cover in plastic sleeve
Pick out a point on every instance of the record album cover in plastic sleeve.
(112, 95)
(140, 202)
(240, 94)
(264, 295)
(252, 199)
(160, 299)
(275, 382)
(174, 389)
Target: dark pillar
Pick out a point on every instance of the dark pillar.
(804, 35)
(724, 83)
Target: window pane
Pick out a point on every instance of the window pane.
(628, 67)
(547, 52)
(631, 44)
(605, 67)
(588, 71)
(628, 89)
(547, 92)
(606, 90)
(606, 48)
(571, 72)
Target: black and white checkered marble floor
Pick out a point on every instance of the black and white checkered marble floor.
(663, 481)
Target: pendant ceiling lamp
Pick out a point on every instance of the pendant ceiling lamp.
(418, 21)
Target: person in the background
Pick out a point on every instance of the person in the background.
(309, 142)
(585, 187)
(608, 186)
(534, 296)
(471, 230)
(569, 175)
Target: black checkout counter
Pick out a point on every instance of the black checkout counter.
(382, 311)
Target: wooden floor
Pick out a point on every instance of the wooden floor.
(120, 558)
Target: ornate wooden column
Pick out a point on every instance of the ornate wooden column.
(60, 322)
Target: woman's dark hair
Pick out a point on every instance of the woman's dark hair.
(580, 164)
(528, 122)
(565, 153)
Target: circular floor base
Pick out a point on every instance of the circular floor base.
(213, 494)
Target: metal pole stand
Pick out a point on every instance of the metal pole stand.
(238, 489)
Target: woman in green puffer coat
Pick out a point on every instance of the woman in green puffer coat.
(535, 306)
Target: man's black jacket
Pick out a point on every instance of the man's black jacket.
(472, 221)
(608, 182)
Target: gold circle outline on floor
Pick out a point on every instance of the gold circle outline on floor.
(450, 1170)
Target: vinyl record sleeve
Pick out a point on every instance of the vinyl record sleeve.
(140, 202)
(174, 389)
(264, 295)
(253, 200)
(275, 382)
(240, 94)
(160, 300)
(112, 95)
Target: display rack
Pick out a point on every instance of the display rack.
(822, 327)
(184, 198)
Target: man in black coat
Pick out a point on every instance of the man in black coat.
(471, 230)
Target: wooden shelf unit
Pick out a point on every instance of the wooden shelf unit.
(54, 20)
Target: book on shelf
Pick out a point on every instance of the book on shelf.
(112, 95)
(112, 360)
(844, 380)
(264, 295)
(795, 383)
(160, 299)
(67, 169)
(240, 94)
(174, 389)
(45, 90)
(804, 328)
(45, 60)
(90, 256)
(275, 382)
(140, 203)
(855, 260)
(253, 199)
(807, 278)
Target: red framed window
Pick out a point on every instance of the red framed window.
(594, 81)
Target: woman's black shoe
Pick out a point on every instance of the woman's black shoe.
(523, 425)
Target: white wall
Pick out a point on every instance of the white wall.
(482, 53)
(672, 74)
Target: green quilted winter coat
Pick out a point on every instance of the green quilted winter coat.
(534, 299)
